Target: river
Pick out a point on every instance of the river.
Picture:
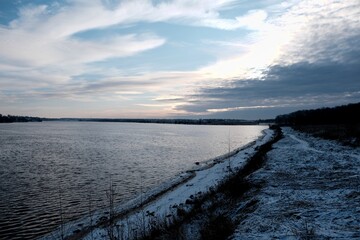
(52, 172)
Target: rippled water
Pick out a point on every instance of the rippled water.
(54, 169)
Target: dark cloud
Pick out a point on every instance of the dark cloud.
(284, 88)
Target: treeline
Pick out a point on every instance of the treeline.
(11, 119)
(346, 114)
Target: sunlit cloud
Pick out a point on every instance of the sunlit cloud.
(218, 110)
(128, 92)
(309, 31)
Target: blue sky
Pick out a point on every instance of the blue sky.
(177, 58)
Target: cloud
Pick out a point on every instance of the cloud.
(321, 31)
(43, 35)
(29, 50)
(306, 31)
(298, 85)
(148, 87)
(297, 53)
(40, 47)
(254, 20)
(65, 20)
(306, 57)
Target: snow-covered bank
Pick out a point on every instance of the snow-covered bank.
(310, 189)
(164, 205)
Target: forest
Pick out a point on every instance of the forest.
(340, 123)
(11, 119)
(345, 114)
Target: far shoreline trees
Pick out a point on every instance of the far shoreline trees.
(11, 119)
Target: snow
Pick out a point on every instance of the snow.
(310, 189)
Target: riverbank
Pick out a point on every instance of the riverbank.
(307, 188)
(304, 188)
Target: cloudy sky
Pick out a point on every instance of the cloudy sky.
(177, 58)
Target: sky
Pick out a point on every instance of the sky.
(239, 59)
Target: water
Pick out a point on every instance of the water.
(54, 169)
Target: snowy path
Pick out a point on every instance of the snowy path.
(304, 144)
(310, 188)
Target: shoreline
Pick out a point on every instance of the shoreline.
(153, 196)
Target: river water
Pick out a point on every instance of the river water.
(60, 170)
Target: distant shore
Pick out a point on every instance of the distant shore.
(167, 121)
(210, 121)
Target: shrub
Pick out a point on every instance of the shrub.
(218, 227)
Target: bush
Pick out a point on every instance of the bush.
(218, 227)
